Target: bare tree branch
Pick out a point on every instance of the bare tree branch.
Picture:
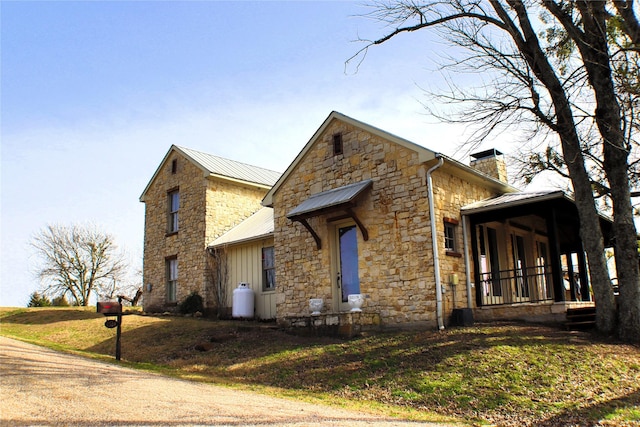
(567, 66)
(630, 21)
(79, 261)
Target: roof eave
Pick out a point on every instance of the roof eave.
(213, 245)
(155, 174)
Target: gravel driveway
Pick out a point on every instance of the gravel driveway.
(43, 387)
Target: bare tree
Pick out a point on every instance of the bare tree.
(77, 261)
(218, 279)
(129, 289)
(559, 70)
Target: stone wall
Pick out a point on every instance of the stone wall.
(208, 208)
(542, 312)
(186, 244)
(396, 263)
(228, 204)
(346, 325)
(493, 166)
(451, 193)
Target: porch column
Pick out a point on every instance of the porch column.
(554, 249)
(476, 263)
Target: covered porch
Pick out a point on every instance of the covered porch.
(527, 255)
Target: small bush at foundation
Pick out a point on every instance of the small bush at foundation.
(191, 304)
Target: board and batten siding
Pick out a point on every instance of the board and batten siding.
(244, 262)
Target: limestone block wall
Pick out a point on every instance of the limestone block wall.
(450, 194)
(544, 312)
(228, 204)
(396, 263)
(208, 208)
(187, 244)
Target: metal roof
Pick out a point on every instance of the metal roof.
(334, 197)
(219, 167)
(231, 168)
(258, 225)
(513, 199)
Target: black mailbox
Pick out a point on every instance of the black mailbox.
(109, 307)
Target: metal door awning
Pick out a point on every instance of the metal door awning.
(338, 199)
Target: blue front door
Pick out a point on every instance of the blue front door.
(349, 281)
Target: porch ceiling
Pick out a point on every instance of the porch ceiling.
(541, 204)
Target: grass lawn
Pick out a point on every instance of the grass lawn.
(505, 374)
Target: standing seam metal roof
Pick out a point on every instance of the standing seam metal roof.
(231, 168)
(329, 198)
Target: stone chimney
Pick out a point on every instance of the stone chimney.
(492, 163)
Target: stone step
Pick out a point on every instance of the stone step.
(581, 318)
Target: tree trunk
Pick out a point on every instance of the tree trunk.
(594, 49)
(594, 53)
(625, 249)
(565, 127)
(591, 235)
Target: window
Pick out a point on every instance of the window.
(337, 144)
(450, 231)
(174, 166)
(268, 269)
(172, 279)
(174, 205)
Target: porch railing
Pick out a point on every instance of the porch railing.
(522, 285)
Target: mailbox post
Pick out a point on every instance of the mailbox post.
(112, 308)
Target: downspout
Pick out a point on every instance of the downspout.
(434, 242)
(467, 268)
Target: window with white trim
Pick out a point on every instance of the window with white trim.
(268, 269)
(172, 214)
(451, 235)
(172, 279)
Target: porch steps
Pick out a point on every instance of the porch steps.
(581, 318)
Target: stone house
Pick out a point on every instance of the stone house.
(424, 239)
(362, 211)
(191, 199)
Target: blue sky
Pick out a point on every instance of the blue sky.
(93, 94)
